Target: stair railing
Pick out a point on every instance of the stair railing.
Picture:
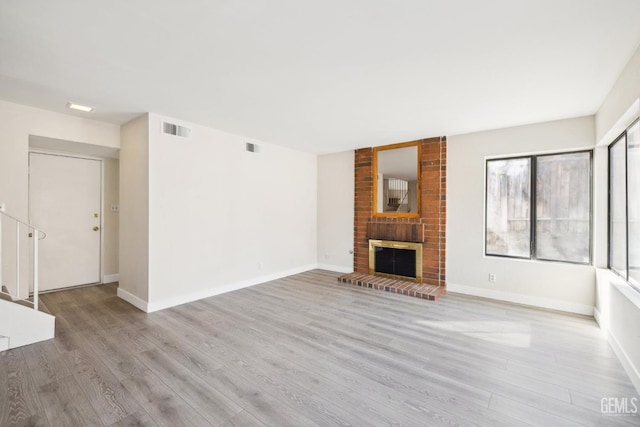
(36, 235)
(398, 191)
(404, 198)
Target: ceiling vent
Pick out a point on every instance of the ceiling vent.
(252, 148)
(176, 130)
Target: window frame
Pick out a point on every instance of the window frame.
(374, 205)
(533, 171)
(486, 204)
(619, 138)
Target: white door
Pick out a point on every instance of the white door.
(64, 202)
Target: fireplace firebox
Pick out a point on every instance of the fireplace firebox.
(400, 260)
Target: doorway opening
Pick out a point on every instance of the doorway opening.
(73, 197)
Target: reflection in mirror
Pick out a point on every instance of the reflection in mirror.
(397, 180)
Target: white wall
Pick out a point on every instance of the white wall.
(18, 122)
(335, 211)
(134, 212)
(618, 313)
(622, 96)
(617, 304)
(547, 284)
(219, 218)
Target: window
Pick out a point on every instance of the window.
(508, 216)
(624, 205)
(618, 207)
(633, 202)
(539, 207)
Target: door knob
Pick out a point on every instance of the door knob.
(96, 228)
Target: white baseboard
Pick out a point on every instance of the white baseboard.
(194, 296)
(133, 300)
(522, 299)
(598, 317)
(608, 282)
(336, 268)
(111, 278)
(622, 355)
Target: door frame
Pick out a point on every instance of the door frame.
(76, 156)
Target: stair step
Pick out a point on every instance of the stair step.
(24, 302)
(27, 326)
(5, 295)
(43, 308)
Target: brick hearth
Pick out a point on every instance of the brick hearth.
(412, 289)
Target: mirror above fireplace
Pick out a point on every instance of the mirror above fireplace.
(396, 183)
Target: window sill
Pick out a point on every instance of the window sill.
(620, 284)
(536, 260)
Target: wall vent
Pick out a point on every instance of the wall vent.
(252, 148)
(176, 130)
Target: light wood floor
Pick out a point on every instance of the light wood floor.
(307, 351)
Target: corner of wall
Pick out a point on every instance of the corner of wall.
(618, 307)
(335, 207)
(612, 116)
(134, 212)
(213, 291)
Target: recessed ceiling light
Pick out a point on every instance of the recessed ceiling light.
(79, 107)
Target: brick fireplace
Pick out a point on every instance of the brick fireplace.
(428, 229)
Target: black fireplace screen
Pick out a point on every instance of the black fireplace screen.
(399, 262)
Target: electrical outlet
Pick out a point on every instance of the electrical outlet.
(115, 208)
(492, 277)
